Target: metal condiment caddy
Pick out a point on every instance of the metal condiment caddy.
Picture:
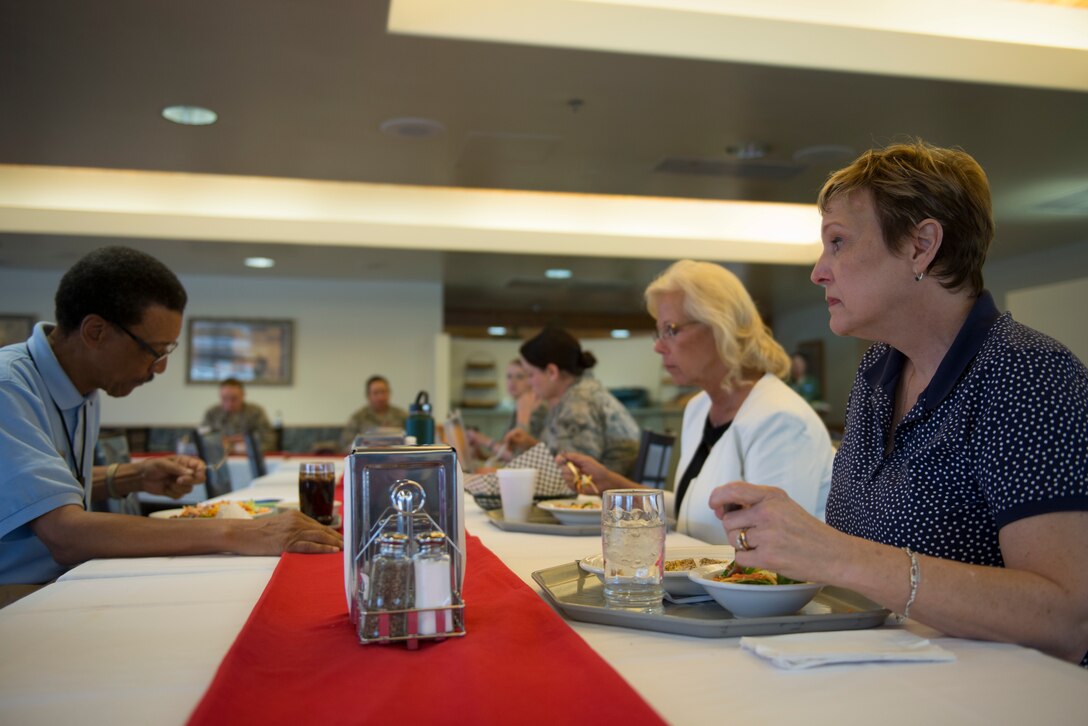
(403, 524)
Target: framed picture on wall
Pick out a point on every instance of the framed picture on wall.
(254, 351)
(15, 328)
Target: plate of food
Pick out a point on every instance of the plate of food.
(748, 592)
(583, 510)
(678, 563)
(248, 509)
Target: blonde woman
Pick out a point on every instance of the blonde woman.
(746, 423)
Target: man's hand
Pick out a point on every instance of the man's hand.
(172, 476)
(288, 532)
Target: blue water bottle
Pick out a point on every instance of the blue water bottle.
(420, 423)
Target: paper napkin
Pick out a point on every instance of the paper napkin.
(808, 650)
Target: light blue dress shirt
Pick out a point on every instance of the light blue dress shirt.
(47, 435)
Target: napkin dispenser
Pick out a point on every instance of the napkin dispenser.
(410, 491)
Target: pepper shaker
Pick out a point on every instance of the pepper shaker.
(390, 587)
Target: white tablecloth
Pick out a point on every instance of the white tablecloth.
(138, 641)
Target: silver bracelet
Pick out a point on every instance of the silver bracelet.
(915, 576)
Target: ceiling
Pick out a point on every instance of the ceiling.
(303, 88)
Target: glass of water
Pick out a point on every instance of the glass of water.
(633, 540)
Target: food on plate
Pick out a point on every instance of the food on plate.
(222, 510)
(578, 504)
(752, 576)
(582, 482)
(689, 563)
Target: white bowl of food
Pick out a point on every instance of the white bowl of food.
(581, 511)
(678, 563)
(757, 594)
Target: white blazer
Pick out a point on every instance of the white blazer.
(776, 439)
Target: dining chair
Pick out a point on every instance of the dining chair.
(113, 448)
(209, 447)
(255, 455)
(654, 459)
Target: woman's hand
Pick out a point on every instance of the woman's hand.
(781, 535)
(602, 478)
(518, 440)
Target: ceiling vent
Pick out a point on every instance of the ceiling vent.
(752, 169)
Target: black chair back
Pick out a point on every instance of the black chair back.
(255, 455)
(654, 459)
(209, 447)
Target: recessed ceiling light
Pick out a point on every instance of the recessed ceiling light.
(558, 273)
(260, 262)
(496, 330)
(748, 150)
(190, 115)
(621, 333)
(412, 128)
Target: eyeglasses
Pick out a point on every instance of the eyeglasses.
(158, 356)
(671, 329)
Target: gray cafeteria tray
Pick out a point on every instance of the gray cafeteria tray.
(580, 596)
(540, 522)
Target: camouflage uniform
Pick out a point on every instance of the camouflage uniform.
(251, 418)
(364, 420)
(588, 419)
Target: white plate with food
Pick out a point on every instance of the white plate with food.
(678, 563)
(580, 511)
(748, 592)
(248, 509)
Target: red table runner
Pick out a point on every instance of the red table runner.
(297, 660)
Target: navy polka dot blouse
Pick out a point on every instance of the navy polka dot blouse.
(999, 434)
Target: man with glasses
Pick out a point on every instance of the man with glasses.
(119, 316)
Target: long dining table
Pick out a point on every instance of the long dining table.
(138, 641)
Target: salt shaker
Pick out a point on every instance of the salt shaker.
(390, 587)
(431, 565)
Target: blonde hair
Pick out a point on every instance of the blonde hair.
(715, 297)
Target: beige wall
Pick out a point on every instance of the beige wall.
(345, 331)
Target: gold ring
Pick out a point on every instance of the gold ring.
(742, 540)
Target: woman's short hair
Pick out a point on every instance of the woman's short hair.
(553, 345)
(914, 181)
(715, 297)
(117, 283)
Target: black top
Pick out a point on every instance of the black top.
(711, 434)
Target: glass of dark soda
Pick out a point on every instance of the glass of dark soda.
(316, 490)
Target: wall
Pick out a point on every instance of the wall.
(1057, 310)
(345, 331)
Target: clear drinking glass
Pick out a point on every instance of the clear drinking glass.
(633, 541)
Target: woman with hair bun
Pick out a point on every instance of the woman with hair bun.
(582, 415)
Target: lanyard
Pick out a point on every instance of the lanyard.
(70, 436)
(77, 464)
